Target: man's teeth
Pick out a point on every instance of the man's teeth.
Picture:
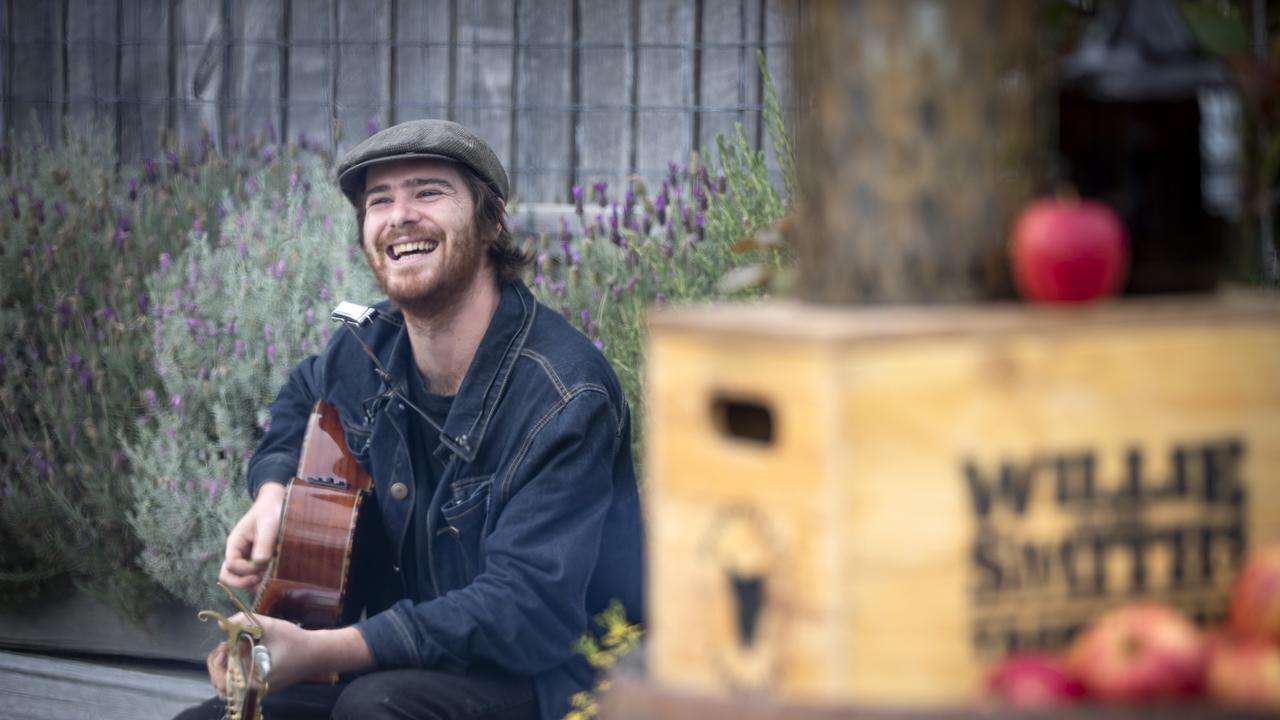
(409, 248)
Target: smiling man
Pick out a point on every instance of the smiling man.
(498, 440)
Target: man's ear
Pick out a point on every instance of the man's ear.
(502, 220)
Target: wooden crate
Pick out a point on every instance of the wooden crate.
(870, 505)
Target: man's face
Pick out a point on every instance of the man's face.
(419, 234)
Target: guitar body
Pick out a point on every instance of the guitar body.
(309, 579)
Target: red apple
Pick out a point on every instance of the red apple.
(1255, 596)
(1067, 250)
(1034, 680)
(1143, 651)
(1245, 672)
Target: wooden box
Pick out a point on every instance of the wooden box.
(871, 505)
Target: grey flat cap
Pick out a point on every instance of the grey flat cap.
(421, 140)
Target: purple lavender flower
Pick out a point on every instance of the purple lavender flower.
(585, 316)
(277, 271)
(150, 396)
(577, 200)
(73, 360)
(165, 262)
(699, 229)
(303, 141)
(324, 292)
(616, 292)
(108, 315)
(310, 317)
(143, 303)
(239, 348)
(86, 379)
(64, 312)
(197, 225)
(338, 274)
(599, 345)
(600, 191)
(268, 154)
(118, 239)
(60, 212)
(293, 181)
(673, 173)
(242, 249)
(39, 204)
(251, 185)
(373, 125)
(194, 325)
(170, 156)
(271, 353)
(149, 170)
(537, 279)
(700, 195)
(176, 404)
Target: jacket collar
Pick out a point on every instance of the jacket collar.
(486, 378)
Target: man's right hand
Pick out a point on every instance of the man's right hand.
(253, 539)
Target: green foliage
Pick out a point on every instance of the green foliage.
(76, 243)
(617, 260)
(234, 314)
(617, 639)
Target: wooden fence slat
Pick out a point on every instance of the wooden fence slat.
(256, 94)
(604, 136)
(311, 29)
(486, 39)
(90, 60)
(363, 69)
(421, 62)
(143, 67)
(543, 86)
(37, 74)
(728, 73)
(199, 60)
(664, 81)
(5, 67)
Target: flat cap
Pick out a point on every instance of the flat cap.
(421, 140)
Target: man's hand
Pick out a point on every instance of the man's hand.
(297, 654)
(253, 539)
(217, 664)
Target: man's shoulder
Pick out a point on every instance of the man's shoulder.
(557, 349)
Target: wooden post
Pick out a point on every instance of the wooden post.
(916, 141)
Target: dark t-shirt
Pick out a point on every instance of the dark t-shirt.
(423, 442)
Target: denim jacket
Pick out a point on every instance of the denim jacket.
(535, 522)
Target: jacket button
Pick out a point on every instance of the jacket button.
(399, 491)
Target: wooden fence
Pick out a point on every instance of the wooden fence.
(567, 91)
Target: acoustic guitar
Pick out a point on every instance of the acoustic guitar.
(308, 581)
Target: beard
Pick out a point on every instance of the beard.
(431, 291)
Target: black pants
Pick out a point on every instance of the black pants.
(399, 694)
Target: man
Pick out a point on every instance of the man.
(498, 440)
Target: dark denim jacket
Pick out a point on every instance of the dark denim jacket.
(535, 523)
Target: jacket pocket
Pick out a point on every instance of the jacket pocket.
(358, 438)
(464, 515)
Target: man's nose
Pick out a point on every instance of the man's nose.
(403, 213)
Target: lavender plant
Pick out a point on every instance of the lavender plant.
(233, 314)
(622, 254)
(79, 235)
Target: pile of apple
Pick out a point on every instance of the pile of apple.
(1151, 653)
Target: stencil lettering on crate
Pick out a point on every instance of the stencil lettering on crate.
(1062, 536)
(743, 555)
